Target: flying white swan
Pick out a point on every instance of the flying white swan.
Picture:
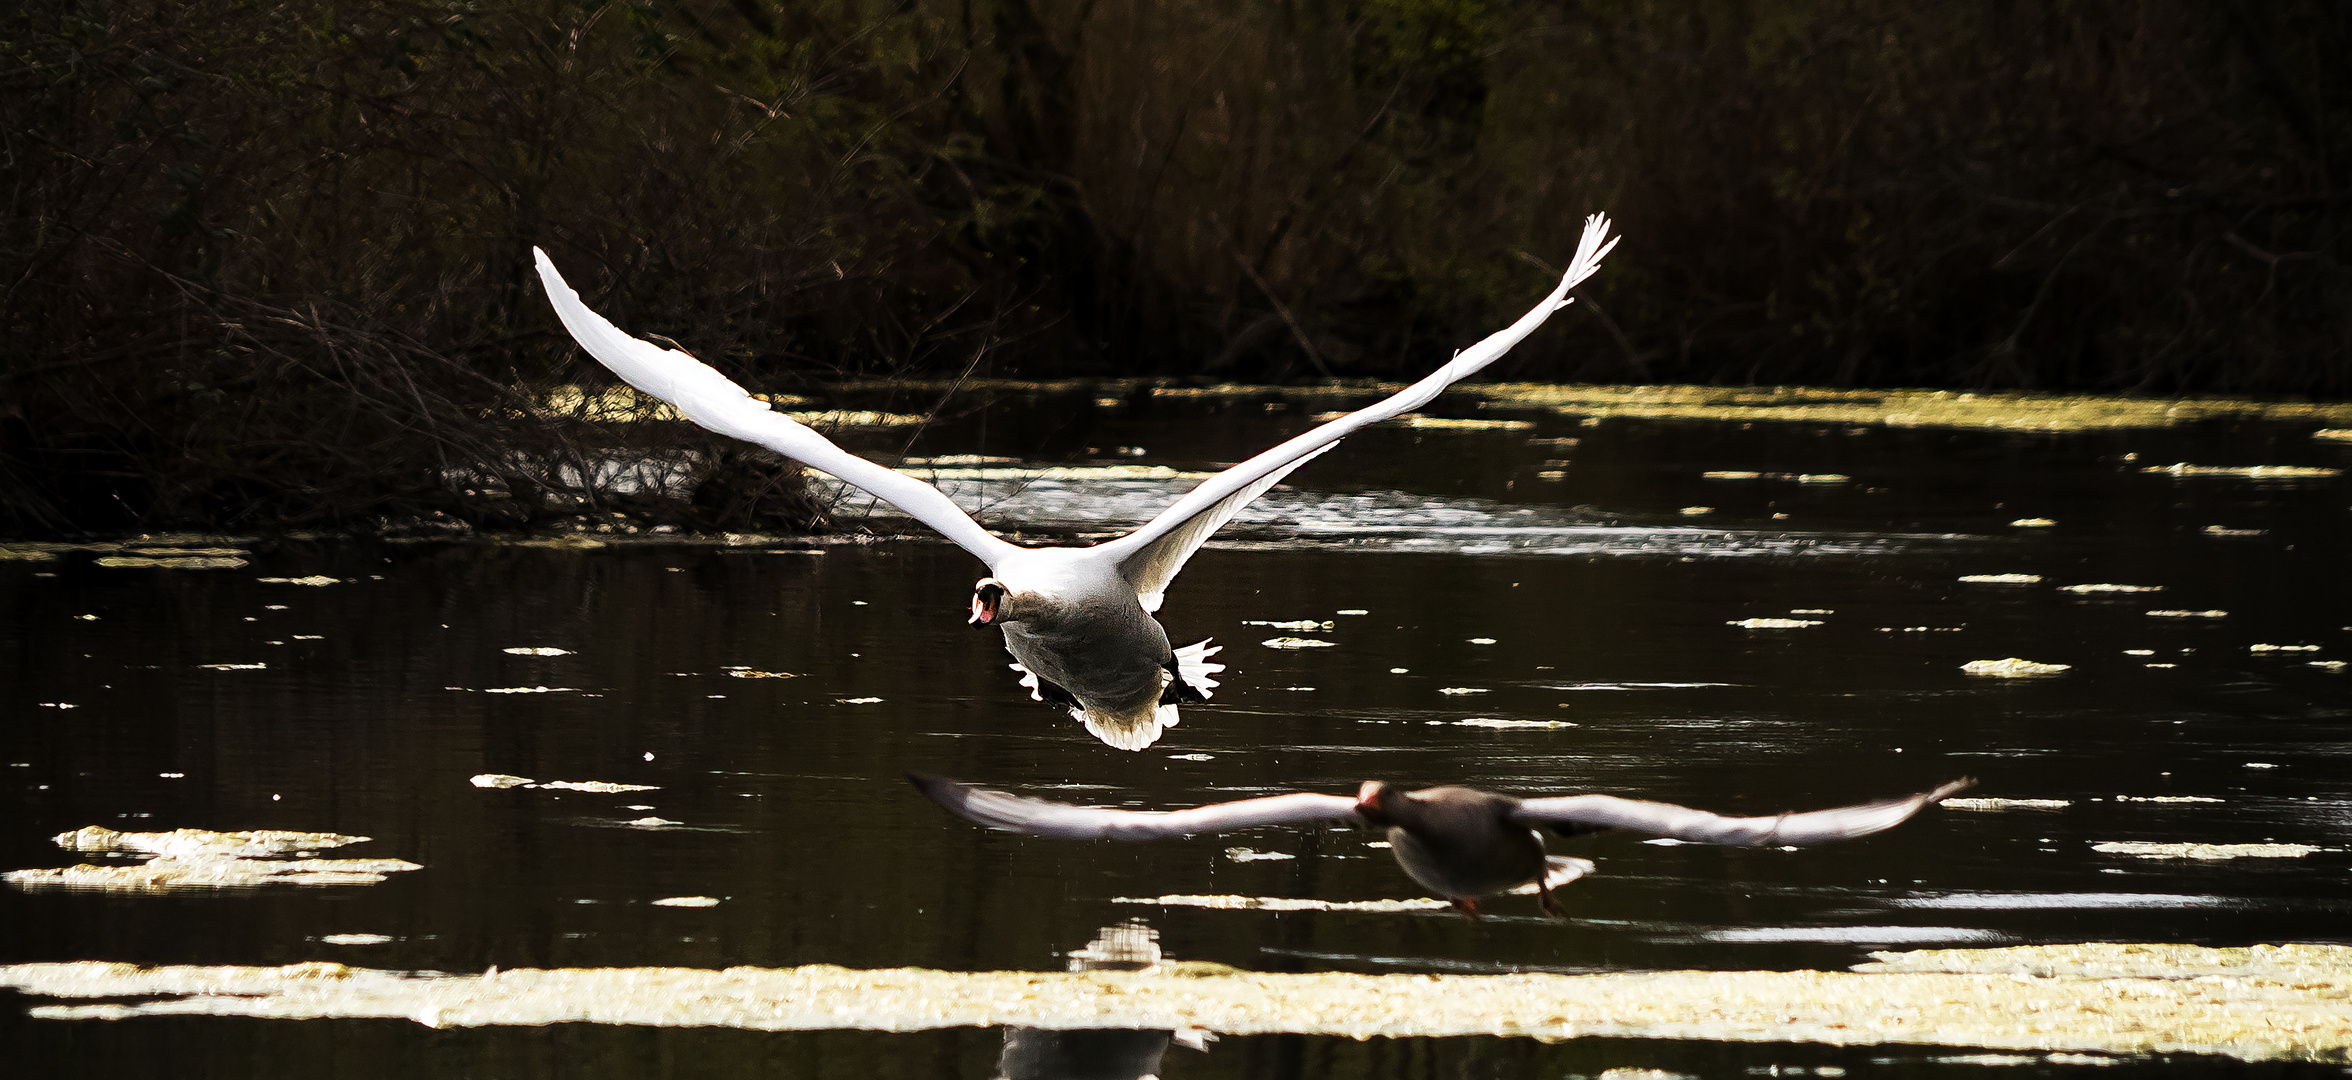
(1078, 619)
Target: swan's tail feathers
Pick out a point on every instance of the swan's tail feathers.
(1133, 731)
(1196, 669)
(1558, 870)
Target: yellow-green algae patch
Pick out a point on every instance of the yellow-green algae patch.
(2262, 1003)
(1058, 472)
(623, 404)
(2006, 804)
(856, 418)
(144, 562)
(2006, 410)
(193, 843)
(204, 859)
(1228, 902)
(2256, 472)
(2315, 965)
(611, 404)
(1442, 423)
(2152, 850)
(165, 875)
(2012, 668)
(164, 550)
(2003, 410)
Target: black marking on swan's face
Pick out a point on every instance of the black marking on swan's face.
(987, 602)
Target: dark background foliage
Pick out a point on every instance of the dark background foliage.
(268, 262)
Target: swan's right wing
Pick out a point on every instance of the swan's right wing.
(1154, 565)
(713, 401)
(1573, 814)
(1063, 821)
(1151, 555)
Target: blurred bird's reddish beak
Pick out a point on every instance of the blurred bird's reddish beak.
(1368, 802)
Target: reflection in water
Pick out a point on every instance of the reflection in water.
(1098, 1053)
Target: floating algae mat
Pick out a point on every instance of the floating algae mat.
(2262, 1003)
(2016, 411)
(160, 551)
(2005, 410)
(203, 859)
(152, 562)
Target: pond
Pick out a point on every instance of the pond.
(1741, 616)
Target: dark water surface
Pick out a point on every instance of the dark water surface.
(1588, 598)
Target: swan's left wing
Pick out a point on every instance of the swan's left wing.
(1571, 815)
(1150, 556)
(1063, 821)
(715, 402)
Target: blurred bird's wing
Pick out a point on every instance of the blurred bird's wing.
(715, 402)
(1037, 817)
(1570, 815)
(1151, 555)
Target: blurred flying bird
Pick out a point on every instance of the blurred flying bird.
(1460, 843)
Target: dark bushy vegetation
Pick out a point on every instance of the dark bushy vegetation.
(269, 261)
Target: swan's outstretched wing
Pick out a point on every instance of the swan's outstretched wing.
(1155, 565)
(1570, 815)
(1062, 821)
(1150, 556)
(711, 400)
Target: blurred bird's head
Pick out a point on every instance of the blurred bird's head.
(1373, 800)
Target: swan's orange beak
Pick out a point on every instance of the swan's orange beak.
(987, 602)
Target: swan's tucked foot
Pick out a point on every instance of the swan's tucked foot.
(1041, 690)
(1561, 869)
(1193, 668)
(1179, 692)
(1558, 870)
(1551, 904)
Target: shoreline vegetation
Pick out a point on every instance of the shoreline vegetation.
(266, 264)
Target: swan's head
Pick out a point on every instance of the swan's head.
(1372, 802)
(988, 602)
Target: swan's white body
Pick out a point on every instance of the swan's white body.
(1079, 620)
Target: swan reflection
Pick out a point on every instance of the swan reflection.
(1098, 1053)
